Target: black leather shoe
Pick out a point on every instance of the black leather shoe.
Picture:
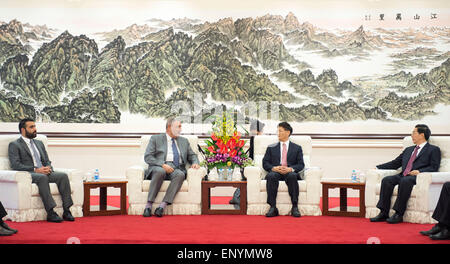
(5, 226)
(147, 212)
(436, 229)
(53, 217)
(159, 211)
(395, 219)
(443, 235)
(273, 211)
(295, 212)
(67, 216)
(381, 217)
(5, 232)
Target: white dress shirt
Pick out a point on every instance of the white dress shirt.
(169, 149)
(28, 142)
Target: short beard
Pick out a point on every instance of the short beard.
(30, 135)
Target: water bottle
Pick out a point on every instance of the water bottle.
(353, 177)
(220, 174)
(229, 174)
(96, 175)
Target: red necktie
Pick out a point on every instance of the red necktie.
(284, 156)
(410, 162)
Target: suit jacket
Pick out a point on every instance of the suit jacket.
(21, 158)
(294, 157)
(156, 152)
(428, 160)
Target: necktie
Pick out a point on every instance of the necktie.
(284, 155)
(35, 154)
(176, 155)
(410, 162)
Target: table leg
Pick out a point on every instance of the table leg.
(123, 199)
(343, 199)
(87, 201)
(103, 197)
(325, 199)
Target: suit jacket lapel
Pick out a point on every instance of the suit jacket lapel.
(425, 148)
(25, 146)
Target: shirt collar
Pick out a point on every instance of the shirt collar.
(27, 140)
(168, 137)
(423, 145)
(287, 142)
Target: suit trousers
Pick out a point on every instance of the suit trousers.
(272, 183)
(62, 181)
(157, 177)
(3, 212)
(405, 186)
(442, 211)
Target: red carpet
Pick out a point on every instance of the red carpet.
(215, 229)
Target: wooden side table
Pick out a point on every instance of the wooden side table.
(343, 185)
(206, 197)
(103, 185)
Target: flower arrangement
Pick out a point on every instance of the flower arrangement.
(225, 146)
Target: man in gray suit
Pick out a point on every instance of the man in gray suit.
(29, 154)
(166, 156)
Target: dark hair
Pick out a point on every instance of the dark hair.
(256, 125)
(424, 129)
(286, 126)
(23, 122)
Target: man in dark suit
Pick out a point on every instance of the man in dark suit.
(283, 161)
(166, 156)
(422, 157)
(29, 154)
(441, 213)
(5, 230)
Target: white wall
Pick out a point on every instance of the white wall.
(337, 157)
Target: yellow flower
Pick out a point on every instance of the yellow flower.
(229, 163)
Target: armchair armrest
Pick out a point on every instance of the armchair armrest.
(376, 175)
(194, 178)
(253, 175)
(14, 176)
(15, 189)
(135, 177)
(313, 176)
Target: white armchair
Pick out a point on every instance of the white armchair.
(188, 199)
(425, 193)
(310, 187)
(20, 196)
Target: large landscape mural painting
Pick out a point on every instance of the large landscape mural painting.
(308, 71)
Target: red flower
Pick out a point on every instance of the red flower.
(223, 150)
(233, 153)
(241, 143)
(213, 136)
(231, 144)
(219, 143)
(211, 149)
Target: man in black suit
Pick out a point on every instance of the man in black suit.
(441, 230)
(29, 154)
(422, 157)
(283, 161)
(5, 230)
